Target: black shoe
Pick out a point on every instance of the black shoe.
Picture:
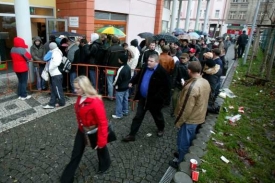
(129, 138)
(126, 114)
(176, 155)
(101, 171)
(160, 133)
(174, 164)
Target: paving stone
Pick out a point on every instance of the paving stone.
(207, 126)
(203, 137)
(199, 143)
(190, 156)
(197, 151)
(181, 177)
(185, 167)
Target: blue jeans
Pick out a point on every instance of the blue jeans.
(186, 134)
(92, 75)
(122, 106)
(110, 80)
(22, 83)
(72, 78)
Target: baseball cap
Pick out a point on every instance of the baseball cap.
(192, 50)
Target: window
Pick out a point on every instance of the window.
(167, 4)
(164, 26)
(245, 1)
(109, 16)
(242, 15)
(200, 13)
(235, 1)
(217, 13)
(232, 14)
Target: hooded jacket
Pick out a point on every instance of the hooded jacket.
(112, 55)
(37, 52)
(134, 59)
(55, 62)
(19, 55)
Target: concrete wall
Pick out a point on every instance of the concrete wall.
(141, 14)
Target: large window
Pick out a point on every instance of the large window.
(232, 14)
(164, 26)
(217, 14)
(167, 4)
(242, 15)
(236, 1)
(100, 15)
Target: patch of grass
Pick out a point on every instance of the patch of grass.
(250, 144)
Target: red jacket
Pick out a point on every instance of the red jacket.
(92, 112)
(20, 55)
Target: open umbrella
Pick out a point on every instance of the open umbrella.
(168, 37)
(194, 35)
(68, 34)
(145, 34)
(178, 31)
(111, 30)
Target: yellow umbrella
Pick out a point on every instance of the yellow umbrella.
(111, 30)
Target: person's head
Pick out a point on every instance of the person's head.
(194, 41)
(125, 46)
(52, 45)
(83, 86)
(192, 52)
(184, 42)
(184, 58)
(83, 42)
(94, 36)
(37, 41)
(208, 55)
(244, 32)
(173, 51)
(165, 48)
(220, 39)
(204, 45)
(162, 42)
(123, 59)
(194, 68)
(176, 45)
(115, 40)
(216, 52)
(210, 63)
(103, 37)
(134, 43)
(52, 38)
(227, 38)
(153, 61)
(148, 41)
(172, 45)
(152, 45)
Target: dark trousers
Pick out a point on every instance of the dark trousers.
(78, 150)
(141, 111)
(22, 83)
(241, 49)
(57, 91)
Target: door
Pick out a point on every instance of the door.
(55, 25)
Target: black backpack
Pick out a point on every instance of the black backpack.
(65, 65)
(100, 54)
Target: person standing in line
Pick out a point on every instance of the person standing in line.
(57, 95)
(227, 44)
(152, 93)
(190, 110)
(121, 83)
(20, 58)
(38, 52)
(242, 41)
(90, 113)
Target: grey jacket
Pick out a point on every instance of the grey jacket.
(71, 50)
(37, 52)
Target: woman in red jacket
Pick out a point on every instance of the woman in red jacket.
(90, 111)
(20, 57)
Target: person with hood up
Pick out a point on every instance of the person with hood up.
(38, 52)
(56, 78)
(20, 58)
(121, 83)
(134, 52)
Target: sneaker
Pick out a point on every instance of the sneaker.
(25, 98)
(116, 117)
(176, 155)
(174, 164)
(129, 138)
(48, 107)
(160, 133)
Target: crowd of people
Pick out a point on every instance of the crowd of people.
(185, 73)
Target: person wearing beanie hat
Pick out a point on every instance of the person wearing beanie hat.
(20, 58)
(94, 36)
(56, 78)
(121, 83)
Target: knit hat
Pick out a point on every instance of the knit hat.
(123, 58)
(208, 55)
(94, 36)
(134, 42)
(52, 45)
(210, 63)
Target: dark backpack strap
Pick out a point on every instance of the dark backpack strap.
(185, 100)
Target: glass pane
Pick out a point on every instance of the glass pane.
(118, 17)
(102, 15)
(8, 32)
(5, 8)
(41, 11)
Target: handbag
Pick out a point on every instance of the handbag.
(92, 135)
(45, 75)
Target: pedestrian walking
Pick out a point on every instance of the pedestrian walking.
(152, 93)
(190, 110)
(90, 113)
(242, 41)
(20, 58)
(121, 83)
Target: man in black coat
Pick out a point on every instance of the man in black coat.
(153, 89)
(242, 41)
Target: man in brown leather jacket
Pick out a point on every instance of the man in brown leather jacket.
(191, 109)
(166, 61)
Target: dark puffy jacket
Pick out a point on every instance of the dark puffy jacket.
(185, 49)
(37, 52)
(123, 78)
(112, 55)
(146, 55)
(93, 50)
(242, 40)
(180, 72)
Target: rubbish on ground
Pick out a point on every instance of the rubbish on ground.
(203, 170)
(212, 132)
(217, 142)
(225, 109)
(261, 91)
(222, 95)
(229, 93)
(224, 159)
(241, 110)
(149, 134)
(235, 118)
(228, 117)
(248, 138)
(231, 107)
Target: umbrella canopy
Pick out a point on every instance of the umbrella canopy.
(194, 35)
(145, 34)
(168, 37)
(68, 34)
(178, 31)
(111, 30)
(187, 36)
